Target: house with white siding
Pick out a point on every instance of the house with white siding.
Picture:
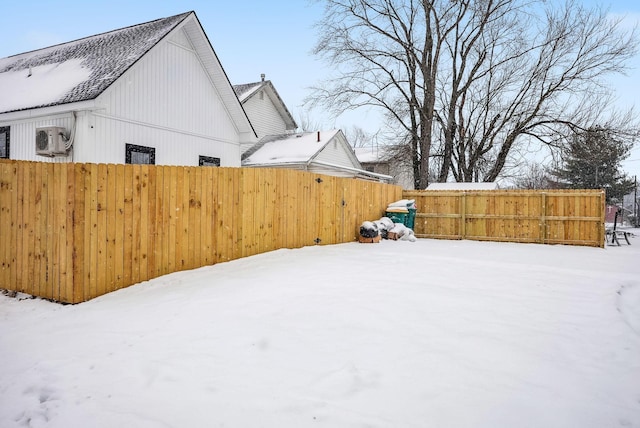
(387, 160)
(267, 112)
(150, 93)
(322, 152)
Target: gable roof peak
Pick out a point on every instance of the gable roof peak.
(246, 91)
(95, 62)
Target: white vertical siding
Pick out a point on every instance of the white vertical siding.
(168, 102)
(264, 115)
(336, 153)
(22, 138)
(172, 147)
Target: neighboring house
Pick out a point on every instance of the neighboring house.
(150, 93)
(325, 152)
(610, 214)
(371, 160)
(266, 110)
(380, 161)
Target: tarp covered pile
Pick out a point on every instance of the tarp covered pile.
(385, 226)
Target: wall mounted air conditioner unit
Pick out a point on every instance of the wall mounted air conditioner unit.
(50, 141)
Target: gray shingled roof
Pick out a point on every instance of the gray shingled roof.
(107, 55)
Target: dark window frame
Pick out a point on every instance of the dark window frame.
(134, 148)
(7, 144)
(208, 161)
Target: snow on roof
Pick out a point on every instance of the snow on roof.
(462, 186)
(244, 90)
(45, 83)
(79, 70)
(289, 148)
(368, 154)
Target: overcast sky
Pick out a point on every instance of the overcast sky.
(249, 36)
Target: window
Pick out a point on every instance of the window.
(208, 161)
(140, 155)
(4, 142)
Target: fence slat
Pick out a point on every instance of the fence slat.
(118, 224)
(79, 220)
(92, 236)
(143, 240)
(6, 187)
(170, 185)
(154, 180)
(66, 288)
(20, 227)
(206, 217)
(128, 220)
(136, 219)
(101, 268)
(111, 230)
(59, 207)
(41, 231)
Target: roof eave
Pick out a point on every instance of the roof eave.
(359, 173)
(47, 111)
(250, 93)
(354, 170)
(302, 164)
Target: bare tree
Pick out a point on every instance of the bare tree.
(358, 137)
(466, 82)
(534, 176)
(308, 124)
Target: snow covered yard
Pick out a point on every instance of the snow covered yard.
(397, 334)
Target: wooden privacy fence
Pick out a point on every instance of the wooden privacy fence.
(71, 232)
(574, 217)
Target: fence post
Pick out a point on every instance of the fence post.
(463, 216)
(603, 207)
(543, 218)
